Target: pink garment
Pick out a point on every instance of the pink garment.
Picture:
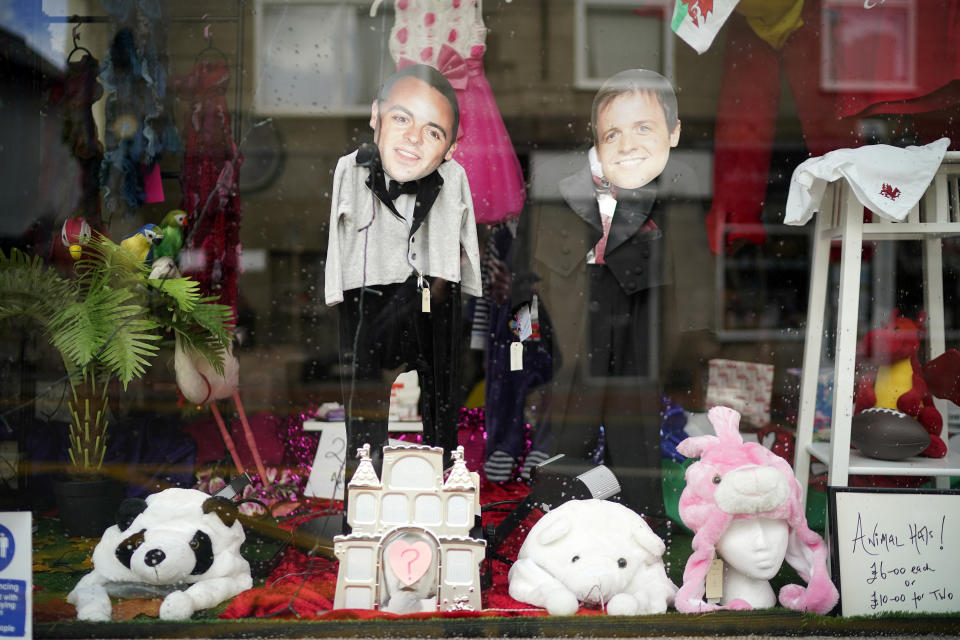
(450, 35)
(747, 118)
(600, 250)
(871, 47)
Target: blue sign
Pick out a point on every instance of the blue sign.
(7, 547)
(13, 606)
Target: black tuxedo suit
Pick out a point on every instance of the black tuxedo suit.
(618, 326)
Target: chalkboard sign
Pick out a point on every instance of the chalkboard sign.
(895, 550)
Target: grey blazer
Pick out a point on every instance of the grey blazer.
(369, 245)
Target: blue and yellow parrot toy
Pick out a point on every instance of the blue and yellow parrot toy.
(141, 243)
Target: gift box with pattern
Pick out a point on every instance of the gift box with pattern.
(744, 386)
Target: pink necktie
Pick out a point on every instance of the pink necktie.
(601, 247)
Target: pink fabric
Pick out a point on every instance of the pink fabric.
(865, 50)
(303, 587)
(747, 117)
(266, 429)
(452, 40)
(486, 153)
(601, 248)
(450, 63)
(153, 185)
(210, 182)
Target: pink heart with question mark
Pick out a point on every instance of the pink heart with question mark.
(409, 561)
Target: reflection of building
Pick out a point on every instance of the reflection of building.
(411, 508)
(30, 139)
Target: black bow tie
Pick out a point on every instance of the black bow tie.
(394, 189)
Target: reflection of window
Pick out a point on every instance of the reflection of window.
(395, 509)
(868, 46)
(319, 57)
(357, 597)
(459, 566)
(359, 563)
(613, 35)
(365, 511)
(457, 510)
(762, 290)
(427, 510)
(412, 472)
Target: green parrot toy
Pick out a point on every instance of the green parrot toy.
(172, 228)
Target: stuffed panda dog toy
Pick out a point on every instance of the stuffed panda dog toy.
(183, 539)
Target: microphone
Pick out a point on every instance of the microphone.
(367, 153)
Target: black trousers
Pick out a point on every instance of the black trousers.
(617, 387)
(382, 328)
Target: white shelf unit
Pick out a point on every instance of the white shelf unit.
(936, 216)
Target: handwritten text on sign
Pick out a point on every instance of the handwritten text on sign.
(898, 551)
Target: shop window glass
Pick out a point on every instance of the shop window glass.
(395, 508)
(318, 57)
(773, 89)
(612, 35)
(427, 510)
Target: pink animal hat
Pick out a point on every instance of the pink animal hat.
(708, 505)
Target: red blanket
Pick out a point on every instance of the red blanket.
(303, 587)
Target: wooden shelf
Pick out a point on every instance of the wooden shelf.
(859, 464)
(393, 426)
(840, 217)
(905, 230)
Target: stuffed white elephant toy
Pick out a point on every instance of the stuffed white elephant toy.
(595, 552)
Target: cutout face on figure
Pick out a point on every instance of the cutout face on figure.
(755, 547)
(413, 129)
(633, 140)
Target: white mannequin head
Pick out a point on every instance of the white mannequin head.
(753, 550)
(755, 547)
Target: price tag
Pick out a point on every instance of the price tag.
(516, 356)
(424, 294)
(714, 580)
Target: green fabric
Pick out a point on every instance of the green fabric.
(816, 509)
(680, 13)
(672, 477)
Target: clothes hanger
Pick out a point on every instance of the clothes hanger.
(76, 44)
(210, 48)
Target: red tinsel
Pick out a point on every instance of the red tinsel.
(303, 586)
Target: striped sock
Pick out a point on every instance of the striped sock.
(534, 458)
(499, 466)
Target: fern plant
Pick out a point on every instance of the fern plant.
(107, 322)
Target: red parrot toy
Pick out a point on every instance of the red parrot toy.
(890, 376)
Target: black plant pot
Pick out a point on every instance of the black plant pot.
(87, 507)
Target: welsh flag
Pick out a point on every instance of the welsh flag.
(697, 22)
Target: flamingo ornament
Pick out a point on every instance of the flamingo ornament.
(200, 383)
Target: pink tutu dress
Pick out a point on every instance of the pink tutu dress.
(449, 35)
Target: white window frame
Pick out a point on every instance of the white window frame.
(261, 103)
(828, 79)
(582, 80)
